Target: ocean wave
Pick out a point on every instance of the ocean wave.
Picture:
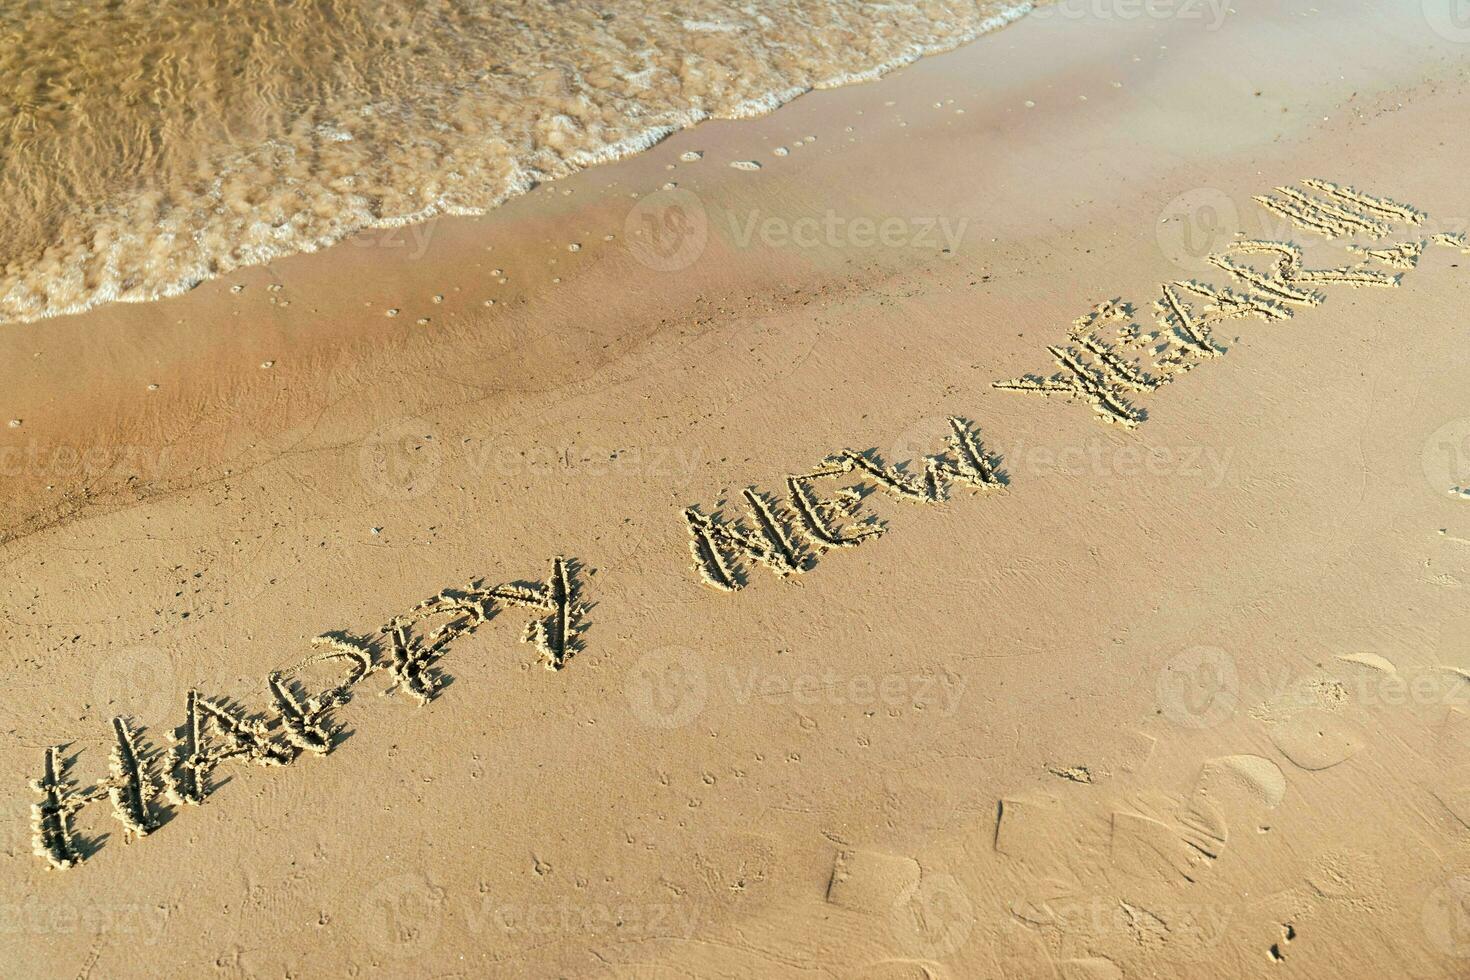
(154, 144)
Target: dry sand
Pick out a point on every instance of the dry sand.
(1182, 699)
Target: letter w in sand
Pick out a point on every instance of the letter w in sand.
(718, 546)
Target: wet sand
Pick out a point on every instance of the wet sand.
(1180, 698)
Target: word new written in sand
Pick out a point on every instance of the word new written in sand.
(772, 538)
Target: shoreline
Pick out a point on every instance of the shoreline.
(200, 347)
(532, 169)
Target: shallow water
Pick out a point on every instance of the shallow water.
(151, 144)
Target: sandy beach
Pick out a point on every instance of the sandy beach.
(707, 564)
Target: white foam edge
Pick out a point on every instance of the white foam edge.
(525, 179)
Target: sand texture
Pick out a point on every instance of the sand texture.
(1007, 519)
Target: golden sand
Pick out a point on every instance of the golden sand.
(1018, 532)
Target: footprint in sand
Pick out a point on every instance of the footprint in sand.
(1043, 896)
(1162, 837)
(869, 881)
(1030, 830)
(1445, 917)
(1146, 847)
(1261, 778)
(1315, 740)
(928, 914)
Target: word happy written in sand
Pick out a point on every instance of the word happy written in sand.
(1106, 360)
(217, 731)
